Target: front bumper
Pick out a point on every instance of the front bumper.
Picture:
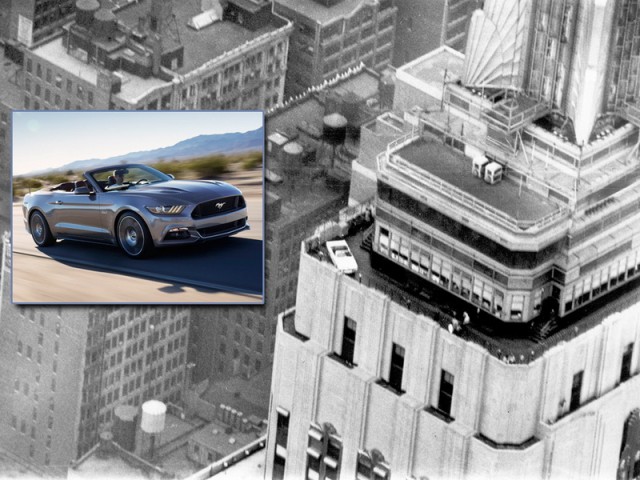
(186, 230)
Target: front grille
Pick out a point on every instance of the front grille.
(216, 229)
(218, 206)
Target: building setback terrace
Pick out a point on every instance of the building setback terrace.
(510, 342)
(448, 172)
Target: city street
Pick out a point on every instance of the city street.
(227, 270)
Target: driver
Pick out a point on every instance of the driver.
(119, 176)
(117, 179)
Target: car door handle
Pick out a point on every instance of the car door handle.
(58, 202)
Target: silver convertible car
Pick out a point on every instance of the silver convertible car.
(135, 207)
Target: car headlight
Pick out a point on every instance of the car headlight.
(167, 209)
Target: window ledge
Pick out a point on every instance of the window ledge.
(339, 359)
(440, 414)
(288, 326)
(383, 383)
(507, 446)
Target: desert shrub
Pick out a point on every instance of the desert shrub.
(252, 160)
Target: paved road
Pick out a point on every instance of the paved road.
(228, 270)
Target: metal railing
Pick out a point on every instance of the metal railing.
(229, 460)
(501, 117)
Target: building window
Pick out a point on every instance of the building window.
(324, 452)
(396, 368)
(348, 340)
(576, 390)
(625, 370)
(332, 458)
(517, 305)
(446, 393)
(282, 436)
(364, 468)
(314, 452)
(629, 463)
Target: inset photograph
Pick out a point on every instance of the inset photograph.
(138, 207)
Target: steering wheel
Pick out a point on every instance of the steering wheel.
(140, 181)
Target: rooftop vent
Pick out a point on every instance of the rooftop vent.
(212, 12)
(493, 173)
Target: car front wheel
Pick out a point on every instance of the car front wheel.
(133, 236)
(40, 230)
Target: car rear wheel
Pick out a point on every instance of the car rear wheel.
(133, 236)
(40, 230)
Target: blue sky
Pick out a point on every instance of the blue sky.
(49, 139)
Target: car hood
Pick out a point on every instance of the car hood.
(184, 191)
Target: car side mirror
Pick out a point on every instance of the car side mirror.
(171, 175)
(82, 191)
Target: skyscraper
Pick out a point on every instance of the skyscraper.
(491, 329)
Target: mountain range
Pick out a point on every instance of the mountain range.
(223, 143)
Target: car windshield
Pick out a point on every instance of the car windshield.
(127, 176)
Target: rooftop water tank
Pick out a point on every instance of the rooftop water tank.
(292, 154)
(85, 9)
(153, 416)
(124, 427)
(104, 23)
(334, 129)
(351, 104)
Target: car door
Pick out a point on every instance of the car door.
(77, 215)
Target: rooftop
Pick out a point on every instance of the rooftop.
(510, 342)
(107, 467)
(133, 86)
(213, 437)
(455, 169)
(56, 53)
(199, 46)
(107, 460)
(434, 68)
(243, 394)
(364, 84)
(321, 14)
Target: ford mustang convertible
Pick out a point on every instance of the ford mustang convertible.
(135, 207)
